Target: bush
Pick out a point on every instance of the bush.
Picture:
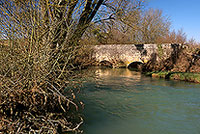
(32, 83)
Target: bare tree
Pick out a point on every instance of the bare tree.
(60, 20)
(135, 26)
(173, 37)
(123, 19)
(153, 26)
(38, 63)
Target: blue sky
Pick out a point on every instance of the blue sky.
(183, 14)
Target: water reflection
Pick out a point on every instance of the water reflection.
(109, 78)
(121, 101)
(119, 72)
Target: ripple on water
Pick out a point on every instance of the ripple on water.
(125, 102)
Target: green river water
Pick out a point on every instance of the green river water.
(121, 101)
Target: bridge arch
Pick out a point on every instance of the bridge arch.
(105, 63)
(135, 65)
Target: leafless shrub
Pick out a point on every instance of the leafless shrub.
(178, 37)
(41, 49)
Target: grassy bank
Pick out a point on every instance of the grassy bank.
(190, 77)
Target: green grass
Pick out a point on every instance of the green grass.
(190, 77)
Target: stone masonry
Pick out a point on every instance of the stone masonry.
(129, 53)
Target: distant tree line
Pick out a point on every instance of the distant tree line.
(138, 26)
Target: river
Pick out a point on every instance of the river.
(120, 101)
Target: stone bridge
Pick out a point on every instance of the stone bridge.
(128, 54)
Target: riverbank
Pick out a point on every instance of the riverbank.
(190, 77)
(183, 64)
(38, 94)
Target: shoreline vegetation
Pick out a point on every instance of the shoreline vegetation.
(182, 76)
(33, 94)
(183, 64)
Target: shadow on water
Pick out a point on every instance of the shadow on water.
(122, 101)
